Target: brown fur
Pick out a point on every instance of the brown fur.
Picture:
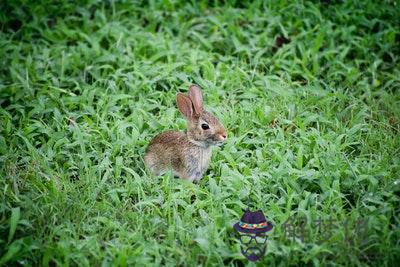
(187, 154)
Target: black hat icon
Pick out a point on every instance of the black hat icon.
(253, 222)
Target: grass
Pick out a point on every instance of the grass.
(308, 91)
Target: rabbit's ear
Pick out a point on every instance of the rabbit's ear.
(184, 105)
(197, 98)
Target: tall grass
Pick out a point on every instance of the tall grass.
(309, 93)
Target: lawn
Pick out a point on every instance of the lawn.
(308, 92)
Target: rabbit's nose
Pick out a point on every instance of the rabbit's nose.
(222, 136)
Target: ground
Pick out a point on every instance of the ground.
(308, 92)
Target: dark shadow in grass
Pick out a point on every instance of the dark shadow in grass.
(51, 22)
(4, 102)
(105, 43)
(73, 176)
(72, 42)
(162, 85)
(387, 57)
(331, 2)
(13, 25)
(299, 78)
(351, 200)
(192, 199)
(279, 42)
(234, 262)
(377, 27)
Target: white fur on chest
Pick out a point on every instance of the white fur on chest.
(205, 156)
(198, 163)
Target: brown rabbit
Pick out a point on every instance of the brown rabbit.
(188, 154)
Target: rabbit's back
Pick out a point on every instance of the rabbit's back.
(164, 152)
(168, 137)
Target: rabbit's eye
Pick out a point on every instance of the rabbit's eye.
(205, 126)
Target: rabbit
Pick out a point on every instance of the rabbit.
(187, 153)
